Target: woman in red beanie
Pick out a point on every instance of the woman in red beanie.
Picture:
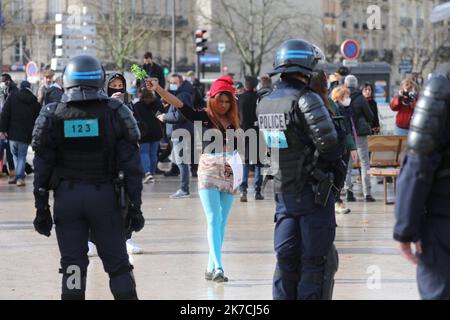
(215, 180)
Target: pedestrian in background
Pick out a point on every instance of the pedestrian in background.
(47, 82)
(404, 104)
(247, 114)
(153, 70)
(54, 92)
(174, 119)
(362, 118)
(368, 93)
(146, 111)
(341, 97)
(16, 124)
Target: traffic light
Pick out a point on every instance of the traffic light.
(200, 41)
(166, 71)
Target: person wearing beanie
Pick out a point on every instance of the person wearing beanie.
(215, 176)
(16, 124)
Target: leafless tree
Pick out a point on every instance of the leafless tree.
(424, 47)
(14, 28)
(123, 32)
(257, 27)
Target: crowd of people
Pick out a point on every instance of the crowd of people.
(161, 110)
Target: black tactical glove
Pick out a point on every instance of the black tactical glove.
(135, 220)
(43, 222)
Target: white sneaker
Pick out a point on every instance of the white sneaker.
(92, 250)
(132, 248)
(148, 178)
(341, 209)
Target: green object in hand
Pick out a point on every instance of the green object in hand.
(139, 73)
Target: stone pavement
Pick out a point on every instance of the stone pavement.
(176, 251)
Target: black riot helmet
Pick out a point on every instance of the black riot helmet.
(84, 71)
(296, 55)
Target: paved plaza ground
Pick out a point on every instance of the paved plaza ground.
(176, 251)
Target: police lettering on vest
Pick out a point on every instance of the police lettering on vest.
(273, 121)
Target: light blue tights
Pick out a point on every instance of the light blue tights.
(217, 206)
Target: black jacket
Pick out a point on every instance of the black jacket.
(53, 94)
(174, 118)
(361, 113)
(374, 108)
(154, 71)
(149, 125)
(247, 109)
(18, 116)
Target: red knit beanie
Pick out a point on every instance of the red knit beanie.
(224, 83)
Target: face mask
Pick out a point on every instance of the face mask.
(173, 87)
(346, 102)
(2, 85)
(111, 91)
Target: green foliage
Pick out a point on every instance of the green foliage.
(139, 73)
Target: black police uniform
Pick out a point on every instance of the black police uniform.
(80, 145)
(296, 123)
(423, 207)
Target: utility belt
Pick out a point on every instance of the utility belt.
(59, 175)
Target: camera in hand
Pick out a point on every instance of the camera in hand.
(408, 96)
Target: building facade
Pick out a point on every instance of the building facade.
(28, 33)
(404, 38)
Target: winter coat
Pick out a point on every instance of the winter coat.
(404, 110)
(153, 71)
(151, 128)
(174, 118)
(247, 109)
(18, 116)
(361, 113)
(374, 108)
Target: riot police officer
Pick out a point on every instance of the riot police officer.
(80, 146)
(422, 210)
(297, 125)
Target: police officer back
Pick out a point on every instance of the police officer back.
(423, 207)
(80, 146)
(296, 122)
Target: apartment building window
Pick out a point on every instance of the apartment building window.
(18, 11)
(54, 7)
(18, 51)
(169, 7)
(146, 7)
(158, 7)
(132, 8)
(183, 7)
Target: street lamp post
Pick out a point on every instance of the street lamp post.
(174, 44)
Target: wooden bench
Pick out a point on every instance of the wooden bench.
(387, 153)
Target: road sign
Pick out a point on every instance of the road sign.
(32, 72)
(73, 52)
(74, 19)
(31, 69)
(405, 66)
(350, 49)
(63, 30)
(350, 63)
(210, 59)
(221, 47)
(75, 43)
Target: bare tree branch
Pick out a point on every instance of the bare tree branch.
(254, 29)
